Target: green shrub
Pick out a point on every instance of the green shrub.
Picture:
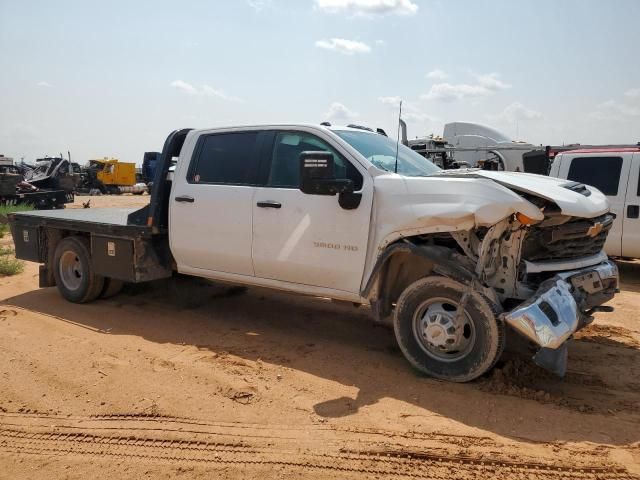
(7, 209)
(10, 265)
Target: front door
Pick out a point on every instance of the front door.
(309, 239)
(211, 204)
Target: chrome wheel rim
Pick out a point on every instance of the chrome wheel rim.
(70, 269)
(444, 329)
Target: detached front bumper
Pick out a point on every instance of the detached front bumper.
(561, 306)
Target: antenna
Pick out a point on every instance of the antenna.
(398, 140)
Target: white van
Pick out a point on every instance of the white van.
(616, 173)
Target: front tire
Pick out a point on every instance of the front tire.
(445, 335)
(73, 272)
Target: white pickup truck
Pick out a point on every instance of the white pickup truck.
(616, 173)
(455, 258)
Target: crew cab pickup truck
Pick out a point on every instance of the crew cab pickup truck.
(616, 173)
(454, 259)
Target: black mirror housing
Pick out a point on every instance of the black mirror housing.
(317, 175)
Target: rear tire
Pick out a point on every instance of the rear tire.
(444, 339)
(75, 278)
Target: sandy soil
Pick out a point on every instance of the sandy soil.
(191, 380)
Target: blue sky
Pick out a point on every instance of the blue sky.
(113, 78)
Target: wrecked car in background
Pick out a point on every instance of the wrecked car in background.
(454, 258)
(16, 190)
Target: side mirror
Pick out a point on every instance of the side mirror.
(317, 175)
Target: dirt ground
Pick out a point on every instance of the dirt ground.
(200, 381)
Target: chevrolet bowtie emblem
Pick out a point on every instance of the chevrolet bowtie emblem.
(594, 230)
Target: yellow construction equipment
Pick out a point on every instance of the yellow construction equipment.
(109, 174)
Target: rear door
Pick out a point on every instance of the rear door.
(609, 174)
(309, 239)
(211, 204)
(631, 222)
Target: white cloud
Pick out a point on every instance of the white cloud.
(491, 82)
(185, 87)
(259, 5)
(205, 91)
(418, 116)
(516, 112)
(447, 92)
(393, 100)
(633, 93)
(613, 110)
(338, 111)
(380, 42)
(341, 45)
(437, 74)
(368, 7)
(44, 84)
(409, 110)
(486, 85)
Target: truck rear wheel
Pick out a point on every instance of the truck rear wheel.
(447, 332)
(73, 272)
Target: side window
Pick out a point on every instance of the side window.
(285, 166)
(225, 158)
(600, 172)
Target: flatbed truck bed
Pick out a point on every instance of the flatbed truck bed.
(120, 248)
(126, 245)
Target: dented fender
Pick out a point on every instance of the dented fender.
(409, 206)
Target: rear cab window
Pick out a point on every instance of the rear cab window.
(600, 172)
(225, 158)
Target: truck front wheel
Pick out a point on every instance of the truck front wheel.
(447, 331)
(73, 272)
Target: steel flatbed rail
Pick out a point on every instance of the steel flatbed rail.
(106, 221)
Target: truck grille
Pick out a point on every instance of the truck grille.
(579, 237)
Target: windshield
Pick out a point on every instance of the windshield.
(381, 151)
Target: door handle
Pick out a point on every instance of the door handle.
(633, 211)
(184, 198)
(269, 204)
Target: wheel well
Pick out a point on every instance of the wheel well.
(400, 271)
(407, 261)
(50, 238)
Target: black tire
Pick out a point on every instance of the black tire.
(483, 347)
(111, 288)
(79, 284)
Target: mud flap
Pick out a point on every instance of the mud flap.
(554, 360)
(45, 277)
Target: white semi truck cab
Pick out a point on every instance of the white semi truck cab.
(455, 259)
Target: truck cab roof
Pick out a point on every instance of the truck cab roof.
(602, 150)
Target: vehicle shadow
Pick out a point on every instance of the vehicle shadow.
(341, 344)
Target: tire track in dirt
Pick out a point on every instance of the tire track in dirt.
(317, 448)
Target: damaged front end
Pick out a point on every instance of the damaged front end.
(561, 306)
(553, 271)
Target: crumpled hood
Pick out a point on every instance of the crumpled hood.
(553, 189)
